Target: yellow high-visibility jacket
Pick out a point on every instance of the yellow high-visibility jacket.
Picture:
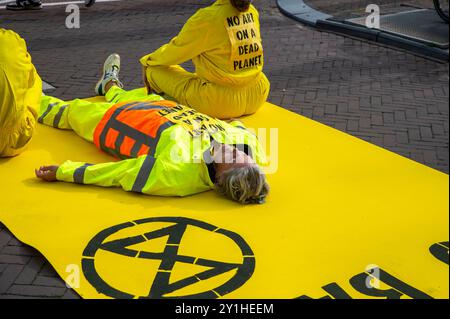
(223, 44)
(20, 93)
(177, 141)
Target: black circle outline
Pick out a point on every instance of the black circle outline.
(243, 274)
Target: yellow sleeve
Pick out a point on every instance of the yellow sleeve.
(113, 174)
(144, 174)
(189, 43)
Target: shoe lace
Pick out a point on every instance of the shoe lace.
(27, 2)
(114, 72)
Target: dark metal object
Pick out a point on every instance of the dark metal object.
(418, 25)
(441, 10)
(89, 3)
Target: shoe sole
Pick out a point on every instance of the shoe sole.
(89, 3)
(24, 8)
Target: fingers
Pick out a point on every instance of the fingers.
(40, 173)
(46, 173)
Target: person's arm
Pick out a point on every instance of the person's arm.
(34, 92)
(145, 174)
(189, 43)
(114, 174)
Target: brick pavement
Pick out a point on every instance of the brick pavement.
(388, 97)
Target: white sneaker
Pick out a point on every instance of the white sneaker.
(111, 70)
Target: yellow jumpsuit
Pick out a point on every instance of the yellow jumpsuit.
(20, 93)
(225, 47)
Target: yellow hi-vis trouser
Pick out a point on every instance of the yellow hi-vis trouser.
(83, 116)
(215, 100)
(20, 93)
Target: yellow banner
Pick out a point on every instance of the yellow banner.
(345, 219)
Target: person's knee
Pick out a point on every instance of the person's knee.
(172, 80)
(152, 71)
(150, 80)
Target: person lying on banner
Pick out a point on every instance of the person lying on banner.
(224, 43)
(166, 148)
(20, 94)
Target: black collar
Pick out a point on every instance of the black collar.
(207, 158)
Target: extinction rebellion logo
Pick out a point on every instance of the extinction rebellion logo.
(170, 252)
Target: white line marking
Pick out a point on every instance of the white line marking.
(52, 4)
(46, 86)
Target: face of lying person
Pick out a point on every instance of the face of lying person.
(226, 157)
(238, 177)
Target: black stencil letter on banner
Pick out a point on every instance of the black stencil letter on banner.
(440, 251)
(333, 290)
(399, 288)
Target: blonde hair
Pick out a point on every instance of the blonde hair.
(246, 185)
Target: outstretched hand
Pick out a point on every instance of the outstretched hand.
(47, 173)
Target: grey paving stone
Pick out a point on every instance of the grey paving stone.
(36, 291)
(8, 276)
(14, 259)
(30, 271)
(3, 267)
(49, 281)
(7, 296)
(4, 238)
(15, 242)
(71, 294)
(19, 251)
(48, 271)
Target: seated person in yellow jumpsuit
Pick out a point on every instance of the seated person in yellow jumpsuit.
(224, 43)
(166, 149)
(20, 94)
